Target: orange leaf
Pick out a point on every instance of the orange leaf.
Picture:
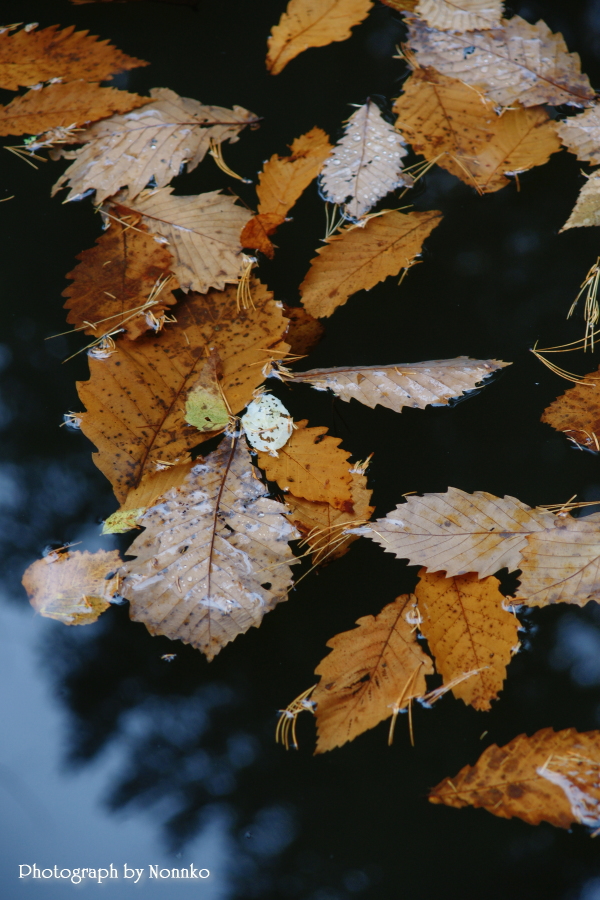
(284, 178)
(548, 777)
(73, 588)
(115, 278)
(64, 104)
(467, 630)
(577, 413)
(256, 231)
(312, 466)
(136, 397)
(372, 668)
(312, 23)
(358, 258)
(28, 57)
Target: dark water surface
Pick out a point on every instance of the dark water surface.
(110, 755)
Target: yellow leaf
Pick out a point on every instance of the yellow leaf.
(467, 630)
(312, 23)
(358, 258)
(284, 178)
(371, 669)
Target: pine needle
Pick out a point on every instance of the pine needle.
(286, 725)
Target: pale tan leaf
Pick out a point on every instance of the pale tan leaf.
(322, 525)
(562, 563)
(135, 399)
(371, 669)
(518, 62)
(548, 777)
(61, 105)
(416, 385)
(458, 532)
(312, 465)
(467, 630)
(202, 232)
(113, 281)
(312, 23)
(284, 178)
(452, 124)
(214, 556)
(358, 258)
(460, 15)
(153, 142)
(586, 211)
(138, 499)
(73, 588)
(28, 57)
(365, 164)
(577, 412)
(581, 134)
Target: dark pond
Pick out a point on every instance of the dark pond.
(110, 755)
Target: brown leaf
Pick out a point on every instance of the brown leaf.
(115, 278)
(214, 556)
(256, 231)
(358, 258)
(401, 5)
(284, 178)
(417, 385)
(467, 630)
(73, 588)
(460, 15)
(136, 398)
(313, 466)
(202, 232)
(452, 124)
(322, 525)
(518, 62)
(59, 105)
(304, 331)
(365, 164)
(458, 532)
(312, 23)
(577, 412)
(587, 209)
(548, 777)
(151, 144)
(581, 134)
(29, 57)
(371, 669)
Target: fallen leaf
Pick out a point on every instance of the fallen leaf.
(467, 630)
(452, 124)
(417, 385)
(135, 399)
(152, 486)
(59, 105)
(401, 5)
(322, 525)
(284, 178)
(587, 209)
(256, 231)
(552, 776)
(312, 465)
(562, 563)
(152, 143)
(304, 331)
(518, 62)
(205, 407)
(577, 412)
(202, 232)
(358, 258)
(365, 164)
(28, 57)
(458, 532)
(460, 15)
(267, 424)
(370, 670)
(214, 556)
(73, 588)
(581, 134)
(312, 23)
(114, 280)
